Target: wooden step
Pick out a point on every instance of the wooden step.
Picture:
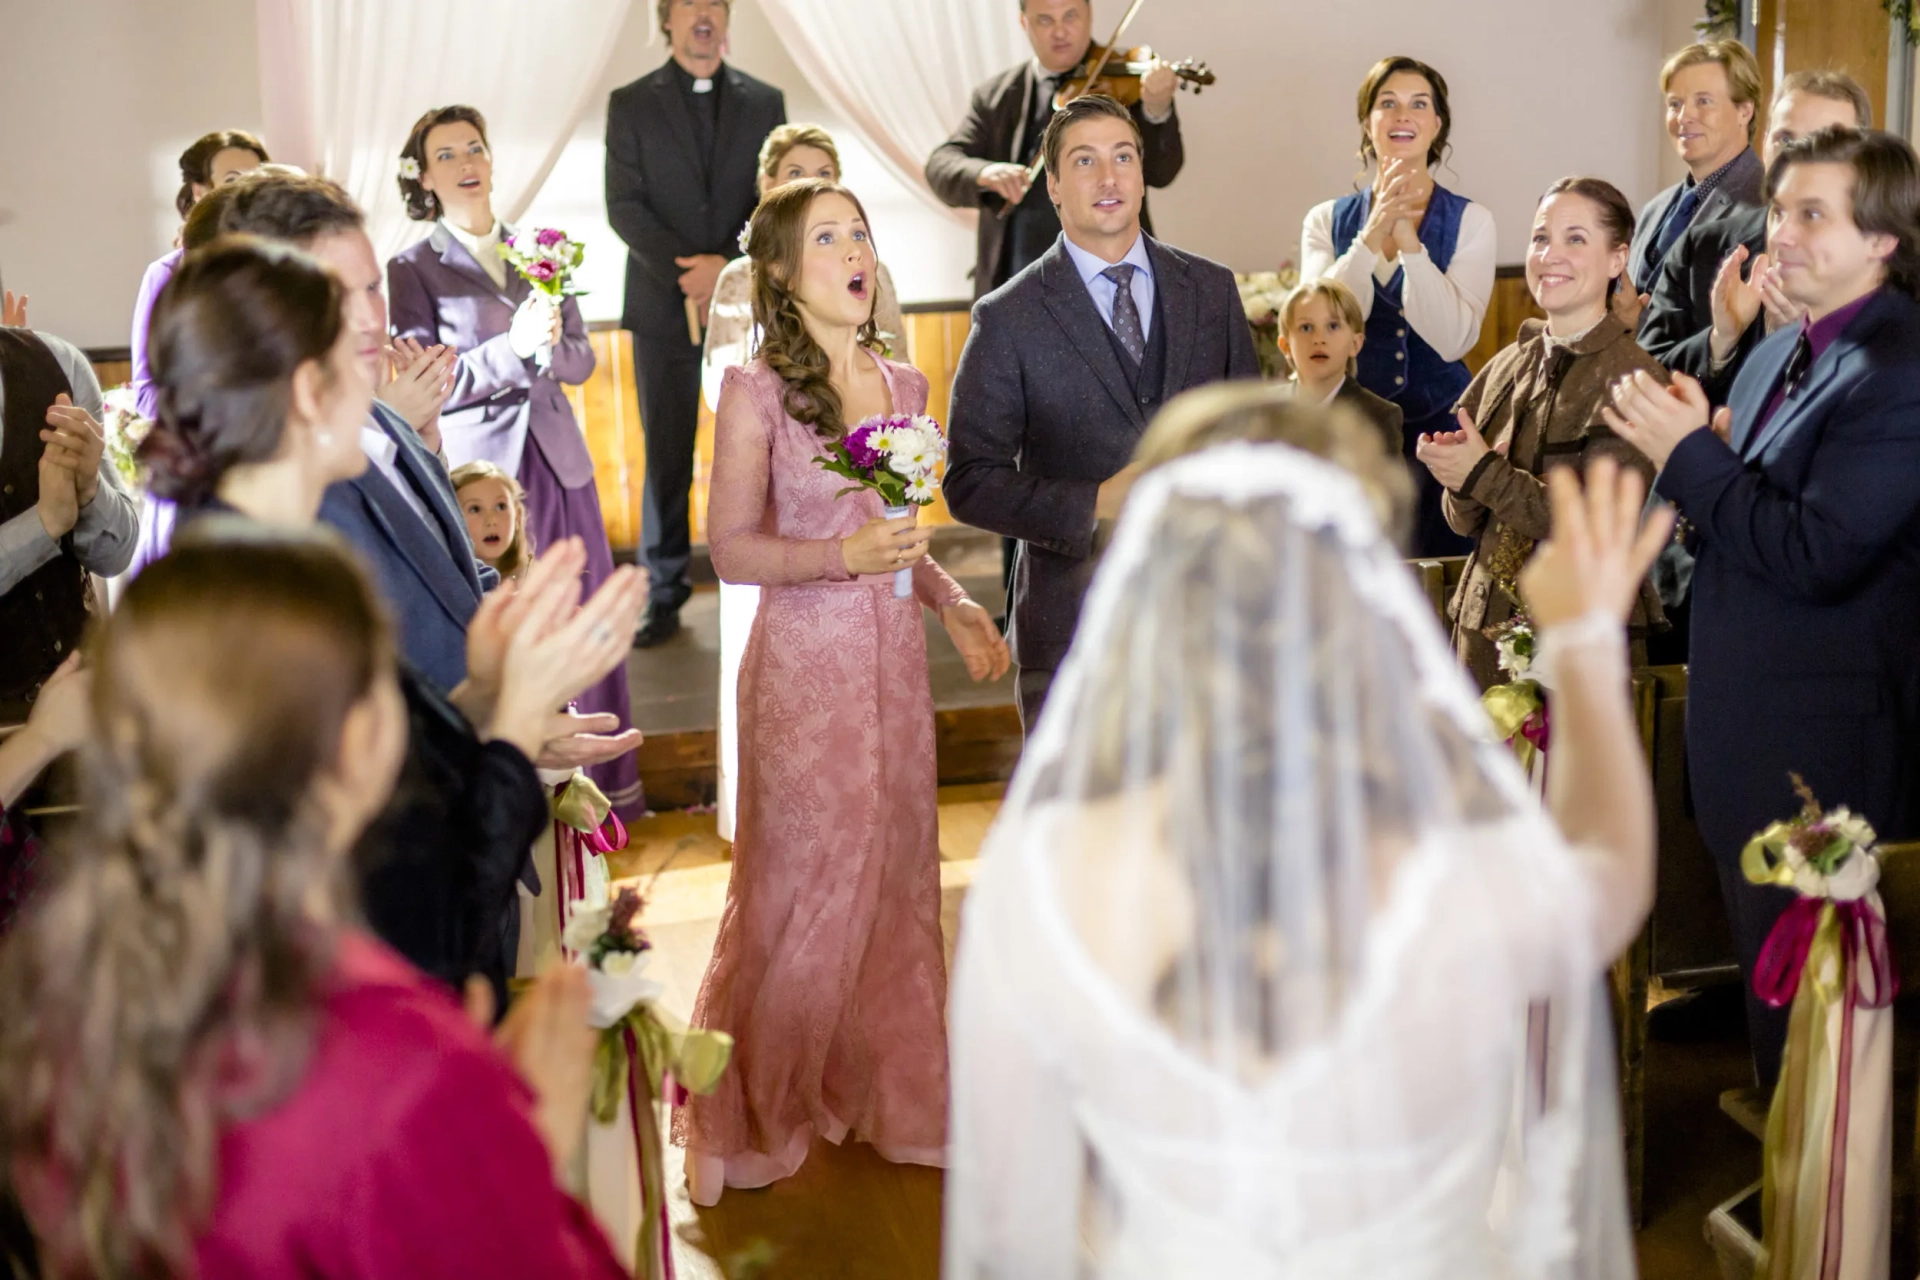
(1747, 1107)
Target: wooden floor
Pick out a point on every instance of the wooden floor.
(847, 1214)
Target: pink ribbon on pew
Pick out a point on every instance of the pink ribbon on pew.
(1863, 935)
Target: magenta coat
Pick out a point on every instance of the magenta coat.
(439, 294)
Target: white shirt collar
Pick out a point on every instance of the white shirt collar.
(1091, 265)
(378, 446)
(476, 245)
(1335, 393)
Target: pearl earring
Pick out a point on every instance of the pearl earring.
(324, 439)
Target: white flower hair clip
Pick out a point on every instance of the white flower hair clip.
(410, 168)
(746, 238)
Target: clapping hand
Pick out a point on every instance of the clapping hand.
(13, 310)
(1628, 304)
(980, 643)
(1655, 419)
(1393, 224)
(1600, 550)
(1452, 455)
(1738, 300)
(422, 381)
(575, 741)
(75, 441)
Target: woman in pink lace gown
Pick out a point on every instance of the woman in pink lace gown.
(829, 970)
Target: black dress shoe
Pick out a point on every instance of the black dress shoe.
(657, 627)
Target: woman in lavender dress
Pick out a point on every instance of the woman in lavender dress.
(214, 160)
(516, 349)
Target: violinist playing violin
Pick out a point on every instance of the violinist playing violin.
(986, 163)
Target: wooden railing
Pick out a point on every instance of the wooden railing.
(608, 404)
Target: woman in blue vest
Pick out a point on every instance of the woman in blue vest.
(1419, 258)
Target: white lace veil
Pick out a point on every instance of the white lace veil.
(1244, 980)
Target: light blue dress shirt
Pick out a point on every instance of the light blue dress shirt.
(1104, 290)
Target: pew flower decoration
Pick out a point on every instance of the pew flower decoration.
(1518, 708)
(1828, 959)
(645, 1056)
(1262, 295)
(546, 258)
(125, 429)
(897, 456)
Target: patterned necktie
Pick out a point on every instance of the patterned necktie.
(1797, 364)
(1678, 219)
(1126, 312)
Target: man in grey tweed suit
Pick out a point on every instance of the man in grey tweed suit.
(1065, 365)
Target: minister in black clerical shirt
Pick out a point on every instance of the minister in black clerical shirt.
(683, 148)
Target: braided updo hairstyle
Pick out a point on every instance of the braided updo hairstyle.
(165, 986)
(774, 243)
(239, 317)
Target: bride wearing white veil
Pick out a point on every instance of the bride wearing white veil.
(1243, 982)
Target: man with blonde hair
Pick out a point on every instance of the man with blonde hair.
(1712, 93)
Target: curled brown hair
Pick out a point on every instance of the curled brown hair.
(1616, 215)
(776, 244)
(230, 329)
(1383, 71)
(164, 987)
(1886, 189)
(196, 162)
(422, 204)
(519, 552)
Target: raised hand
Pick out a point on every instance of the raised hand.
(13, 310)
(560, 649)
(1655, 419)
(1736, 300)
(1600, 549)
(546, 1036)
(980, 643)
(1394, 203)
(575, 741)
(59, 504)
(1780, 310)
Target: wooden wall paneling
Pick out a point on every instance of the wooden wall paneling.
(1840, 35)
(112, 373)
(607, 407)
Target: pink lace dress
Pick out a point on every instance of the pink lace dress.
(829, 970)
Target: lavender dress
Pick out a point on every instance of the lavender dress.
(156, 514)
(512, 412)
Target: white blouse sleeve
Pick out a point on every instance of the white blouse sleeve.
(1354, 268)
(1446, 309)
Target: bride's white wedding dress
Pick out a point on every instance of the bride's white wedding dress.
(1243, 979)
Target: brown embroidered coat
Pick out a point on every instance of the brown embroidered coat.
(1545, 407)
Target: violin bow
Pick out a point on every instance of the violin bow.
(1040, 161)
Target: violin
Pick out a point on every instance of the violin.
(1117, 74)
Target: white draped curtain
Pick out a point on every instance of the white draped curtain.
(902, 71)
(342, 81)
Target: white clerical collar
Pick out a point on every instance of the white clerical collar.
(703, 84)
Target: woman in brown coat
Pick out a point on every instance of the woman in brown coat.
(1537, 405)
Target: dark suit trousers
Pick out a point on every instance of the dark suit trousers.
(1031, 686)
(667, 373)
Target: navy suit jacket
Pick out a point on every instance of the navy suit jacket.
(1806, 625)
(1043, 414)
(431, 590)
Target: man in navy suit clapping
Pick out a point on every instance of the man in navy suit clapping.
(1803, 502)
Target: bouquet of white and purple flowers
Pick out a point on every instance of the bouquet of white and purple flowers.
(547, 258)
(896, 456)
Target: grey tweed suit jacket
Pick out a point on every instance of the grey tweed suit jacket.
(1043, 414)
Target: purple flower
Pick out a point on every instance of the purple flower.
(858, 448)
(548, 236)
(543, 270)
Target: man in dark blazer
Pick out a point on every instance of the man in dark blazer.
(1712, 93)
(1677, 327)
(1065, 365)
(984, 164)
(683, 147)
(1804, 508)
